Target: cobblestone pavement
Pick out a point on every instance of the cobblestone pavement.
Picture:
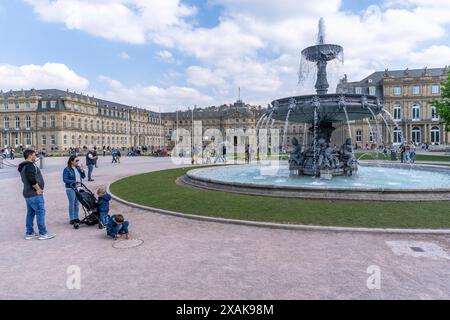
(189, 259)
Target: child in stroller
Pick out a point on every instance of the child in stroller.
(89, 204)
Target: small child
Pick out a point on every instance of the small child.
(117, 226)
(103, 205)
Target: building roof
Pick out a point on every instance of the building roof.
(377, 76)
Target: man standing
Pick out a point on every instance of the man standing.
(94, 153)
(33, 188)
(90, 162)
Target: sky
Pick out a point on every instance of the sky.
(173, 54)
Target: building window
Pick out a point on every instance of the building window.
(65, 122)
(28, 122)
(28, 139)
(372, 91)
(434, 114)
(373, 137)
(44, 122)
(85, 124)
(5, 105)
(53, 122)
(79, 124)
(358, 90)
(17, 106)
(65, 139)
(52, 104)
(16, 139)
(359, 136)
(6, 123)
(53, 139)
(416, 112)
(435, 89)
(397, 135)
(27, 105)
(397, 91)
(435, 135)
(73, 140)
(44, 139)
(397, 112)
(416, 90)
(98, 125)
(72, 123)
(44, 105)
(416, 135)
(17, 122)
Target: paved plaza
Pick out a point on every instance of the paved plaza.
(189, 259)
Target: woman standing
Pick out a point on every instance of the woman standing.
(72, 176)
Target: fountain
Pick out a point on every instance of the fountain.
(321, 111)
(315, 158)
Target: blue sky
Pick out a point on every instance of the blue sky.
(171, 54)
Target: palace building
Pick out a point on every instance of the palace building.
(407, 96)
(57, 120)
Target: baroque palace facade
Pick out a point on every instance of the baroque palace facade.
(407, 96)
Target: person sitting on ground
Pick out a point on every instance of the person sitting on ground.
(103, 205)
(117, 226)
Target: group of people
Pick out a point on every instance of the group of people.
(8, 153)
(73, 175)
(407, 153)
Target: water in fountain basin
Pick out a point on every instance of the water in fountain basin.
(368, 177)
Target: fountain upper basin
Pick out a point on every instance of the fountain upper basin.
(330, 108)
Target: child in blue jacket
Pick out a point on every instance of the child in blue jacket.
(103, 205)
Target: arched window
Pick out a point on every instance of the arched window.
(92, 125)
(64, 122)
(416, 112)
(435, 135)
(398, 134)
(85, 124)
(72, 123)
(73, 140)
(65, 140)
(98, 125)
(79, 123)
(434, 114)
(397, 112)
(28, 122)
(416, 135)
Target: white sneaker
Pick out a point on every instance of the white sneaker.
(31, 236)
(46, 236)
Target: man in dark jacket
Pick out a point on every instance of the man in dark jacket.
(33, 188)
(90, 162)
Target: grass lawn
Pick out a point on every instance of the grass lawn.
(159, 190)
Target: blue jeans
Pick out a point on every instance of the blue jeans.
(90, 169)
(74, 205)
(36, 207)
(119, 229)
(104, 218)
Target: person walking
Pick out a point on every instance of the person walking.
(13, 153)
(114, 155)
(73, 176)
(94, 153)
(33, 192)
(412, 154)
(90, 162)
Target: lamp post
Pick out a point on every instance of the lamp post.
(192, 138)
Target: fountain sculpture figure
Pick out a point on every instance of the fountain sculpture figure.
(320, 111)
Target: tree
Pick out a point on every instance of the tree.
(443, 105)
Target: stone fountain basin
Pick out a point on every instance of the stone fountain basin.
(330, 110)
(239, 179)
(324, 52)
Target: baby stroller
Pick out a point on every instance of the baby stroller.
(89, 204)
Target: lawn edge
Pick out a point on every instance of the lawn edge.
(271, 225)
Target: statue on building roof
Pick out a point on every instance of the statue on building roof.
(386, 72)
(407, 72)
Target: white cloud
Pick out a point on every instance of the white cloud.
(256, 44)
(168, 57)
(153, 97)
(50, 75)
(123, 55)
(132, 21)
(436, 56)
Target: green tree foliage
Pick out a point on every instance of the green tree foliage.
(443, 105)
